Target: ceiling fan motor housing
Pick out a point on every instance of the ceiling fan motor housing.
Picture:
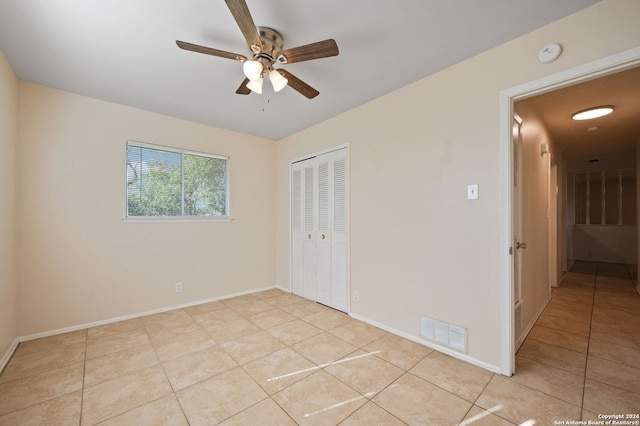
(272, 43)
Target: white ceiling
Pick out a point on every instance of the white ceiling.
(124, 51)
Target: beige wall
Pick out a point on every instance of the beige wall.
(417, 245)
(8, 140)
(79, 262)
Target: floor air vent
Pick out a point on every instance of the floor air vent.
(444, 333)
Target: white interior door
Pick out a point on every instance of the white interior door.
(319, 229)
(554, 277)
(518, 244)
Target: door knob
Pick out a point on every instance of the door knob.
(324, 236)
(521, 245)
(309, 236)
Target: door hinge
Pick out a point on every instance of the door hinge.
(510, 250)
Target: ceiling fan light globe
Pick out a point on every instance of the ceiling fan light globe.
(256, 85)
(252, 69)
(277, 80)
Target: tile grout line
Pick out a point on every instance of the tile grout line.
(581, 406)
(323, 368)
(605, 359)
(242, 366)
(155, 350)
(84, 372)
(490, 412)
(586, 361)
(556, 346)
(144, 368)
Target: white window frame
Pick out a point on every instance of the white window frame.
(182, 152)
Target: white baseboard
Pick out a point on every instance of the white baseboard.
(139, 315)
(8, 354)
(435, 346)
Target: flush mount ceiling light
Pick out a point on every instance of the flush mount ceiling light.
(591, 113)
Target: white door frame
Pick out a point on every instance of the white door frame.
(553, 218)
(609, 65)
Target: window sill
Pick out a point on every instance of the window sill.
(166, 219)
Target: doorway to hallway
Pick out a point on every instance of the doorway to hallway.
(509, 98)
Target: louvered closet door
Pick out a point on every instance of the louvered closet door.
(320, 246)
(309, 247)
(324, 230)
(297, 231)
(340, 230)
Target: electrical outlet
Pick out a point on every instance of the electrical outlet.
(178, 287)
(356, 296)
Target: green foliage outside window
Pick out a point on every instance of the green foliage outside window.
(169, 183)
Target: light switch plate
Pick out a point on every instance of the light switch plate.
(472, 192)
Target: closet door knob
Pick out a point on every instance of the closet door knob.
(309, 236)
(324, 236)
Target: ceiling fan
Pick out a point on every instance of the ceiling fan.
(266, 48)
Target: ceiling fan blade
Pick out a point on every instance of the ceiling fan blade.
(210, 51)
(243, 18)
(320, 49)
(299, 85)
(243, 89)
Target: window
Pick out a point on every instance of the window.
(167, 182)
(606, 197)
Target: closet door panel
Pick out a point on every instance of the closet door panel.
(297, 231)
(339, 231)
(310, 227)
(324, 229)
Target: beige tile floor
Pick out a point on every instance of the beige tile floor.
(276, 359)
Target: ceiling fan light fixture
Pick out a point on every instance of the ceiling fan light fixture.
(592, 113)
(256, 85)
(266, 47)
(253, 70)
(277, 80)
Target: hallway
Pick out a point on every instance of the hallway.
(585, 347)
